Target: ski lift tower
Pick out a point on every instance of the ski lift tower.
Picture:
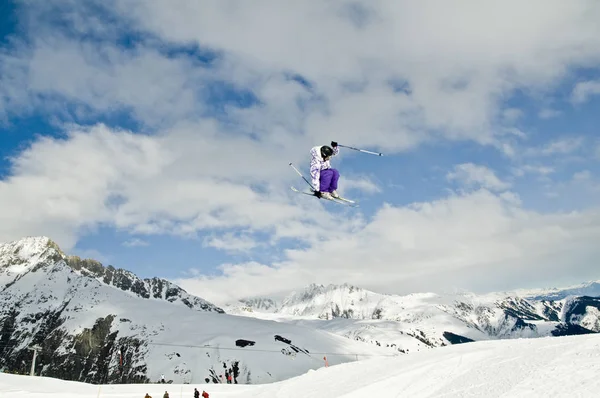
(35, 349)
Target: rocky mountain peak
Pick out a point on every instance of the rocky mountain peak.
(32, 249)
(333, 301)
(313, 290)
(260, 303)
(155, 288)
(32, 254)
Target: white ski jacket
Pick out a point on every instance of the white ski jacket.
(317, 164)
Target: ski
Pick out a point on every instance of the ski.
(300, 174)
(304, 192)
(342, 201)
(347, 200)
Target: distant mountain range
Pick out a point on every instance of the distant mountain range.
(104, 325)
(418, 321)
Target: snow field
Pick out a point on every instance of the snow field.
(518, 368)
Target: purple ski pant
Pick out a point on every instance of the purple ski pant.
(329, 180)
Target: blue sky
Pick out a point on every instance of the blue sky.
(157, 139)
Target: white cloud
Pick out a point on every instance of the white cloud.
(561, 146)
(515, 131)
(586, 181)
(471, 174)
(231, 243)
(567, 145)
(534, 169)
(178, 183)
(103, 78)
(511, 197)
(511, 115)
(549, 113)
(13, 73)
(584, 90)
(363, 184)
(578, 190)
(582, 176)
(455, 79)
(507, 149)
(135, 242)
(543, 170)
(474, 241)
(454, 76)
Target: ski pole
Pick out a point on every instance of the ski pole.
(300, 174)
(362, 150)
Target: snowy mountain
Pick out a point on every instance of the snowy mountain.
(102, 325)
(20, 257)
(105, 325)
(260, 304)
(418, 321)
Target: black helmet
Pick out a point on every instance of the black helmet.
(326, 151)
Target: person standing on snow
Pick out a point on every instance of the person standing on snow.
(324, 178)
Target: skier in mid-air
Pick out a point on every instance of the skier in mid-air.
(324, 178)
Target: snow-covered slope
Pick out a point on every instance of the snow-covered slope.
(87, 319)
(417, 321)
(527, 368)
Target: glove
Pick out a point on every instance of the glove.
(318, 194)
(333, 144)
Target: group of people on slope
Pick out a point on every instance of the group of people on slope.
(196, 394)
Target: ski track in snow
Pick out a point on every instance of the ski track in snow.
(542, 367)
